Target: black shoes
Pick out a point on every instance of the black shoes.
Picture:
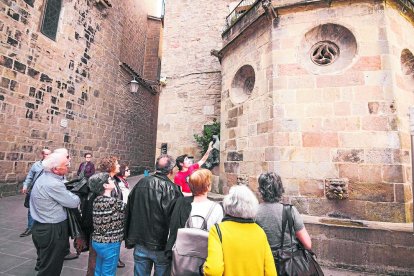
(26, 233)
(71, 256)
(120, 263)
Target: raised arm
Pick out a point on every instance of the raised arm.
(205, 156)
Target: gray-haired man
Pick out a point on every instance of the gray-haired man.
(47, 201)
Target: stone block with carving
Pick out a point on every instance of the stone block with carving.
(336, 188)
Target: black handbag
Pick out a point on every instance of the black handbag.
(29, 190)
(78, 185)
(294, 261)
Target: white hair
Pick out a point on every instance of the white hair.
(55, 159)
(61, 150)
(241, 202)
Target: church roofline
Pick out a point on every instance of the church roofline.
(256, 11)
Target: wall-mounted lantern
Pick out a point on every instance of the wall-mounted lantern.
(133, 86)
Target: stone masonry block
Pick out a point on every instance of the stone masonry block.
(272, 154)
(350, 123)
(385, 211)
(342, 109)
(234, 156)
(350, 79)
(279, 138)
(264, 127)
(379, 156)
(374, 192)
(403, 193)
(377, 123)
(258, 141)
(393, 173)
(310, 139)
(349, 156)
(370, 173)
(232, 167)
(311, 188)
(231, 123)
(368, 63)
(349, 171)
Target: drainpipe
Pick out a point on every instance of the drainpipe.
(411, 116)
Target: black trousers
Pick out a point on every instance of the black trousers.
(50, 240)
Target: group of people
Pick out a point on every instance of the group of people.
(148, 217)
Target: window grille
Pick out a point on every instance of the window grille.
(51, 18)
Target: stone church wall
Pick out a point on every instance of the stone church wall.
(72, 92)
(191, 97)
(310, 123)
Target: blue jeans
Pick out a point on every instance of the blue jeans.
(30, 220)
(145, 258)
(107, 256)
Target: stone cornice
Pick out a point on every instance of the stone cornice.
(405, 7)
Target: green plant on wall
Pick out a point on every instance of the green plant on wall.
(207, 136)
(204, 139)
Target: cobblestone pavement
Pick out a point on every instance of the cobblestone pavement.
(18, 255)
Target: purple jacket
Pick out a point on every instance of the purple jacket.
(89, 170)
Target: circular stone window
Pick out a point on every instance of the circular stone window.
(327, 48)
(243, 84)
(324, 53)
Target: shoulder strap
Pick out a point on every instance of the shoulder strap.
(209, 213)
(189, 223)
(291, 223)
(284, 223)
(219, 232)
(34, 180)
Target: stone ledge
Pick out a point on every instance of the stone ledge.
(378, 225)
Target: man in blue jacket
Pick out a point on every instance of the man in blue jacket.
(28, 182)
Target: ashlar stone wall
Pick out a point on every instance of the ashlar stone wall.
(191, 97)
(310, 122)
(71, 92)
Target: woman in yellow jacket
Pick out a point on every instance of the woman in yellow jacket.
(243, 248)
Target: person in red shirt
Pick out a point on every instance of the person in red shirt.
(186, 167)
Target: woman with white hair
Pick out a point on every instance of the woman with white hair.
(238, 246)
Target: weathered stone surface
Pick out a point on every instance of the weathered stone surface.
(234, 156)
(232, 167)
(378, 249)
(302, 121)
(393, 174)
(349, 156)
(372, 192)
(311, 188)
(39, 77)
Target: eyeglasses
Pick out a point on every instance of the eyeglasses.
(127, 170)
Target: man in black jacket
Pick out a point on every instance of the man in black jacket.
(147, 218)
